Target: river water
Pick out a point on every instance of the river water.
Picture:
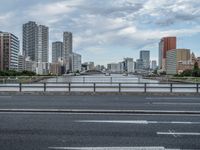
(101, 83)
(113, 78)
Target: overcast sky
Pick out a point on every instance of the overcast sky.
(108, 30)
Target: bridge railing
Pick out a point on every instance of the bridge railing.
(103, 87)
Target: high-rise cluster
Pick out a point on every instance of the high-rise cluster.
(35, 51)
(63, 52)
(173, 60)
(142, 65)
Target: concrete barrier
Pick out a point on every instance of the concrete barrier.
(98, 93)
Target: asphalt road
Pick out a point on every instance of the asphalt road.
(55, 130)
(101, 102)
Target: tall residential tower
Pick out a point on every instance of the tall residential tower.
(57, 51)
(67, 50)
(36, 41)
(67, 44)
(145, 57)
(9, 49)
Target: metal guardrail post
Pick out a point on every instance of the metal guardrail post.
(197, 87)
(119, 87)
(171, 87)
(111, 80)
(83, 79)
(20, 87)
(69, 86)
(145, 88)
(45, 87)
(94, 87)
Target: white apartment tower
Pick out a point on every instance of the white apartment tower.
(9, 50)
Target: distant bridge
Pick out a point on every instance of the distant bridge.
(91, 72)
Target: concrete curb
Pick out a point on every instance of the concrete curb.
(97, 94)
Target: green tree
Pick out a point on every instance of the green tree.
(155, 71)
(196, 70)
(196, 66)
(187, 73)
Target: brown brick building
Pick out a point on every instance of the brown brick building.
(166, 44)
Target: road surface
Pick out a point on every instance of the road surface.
(41, 128)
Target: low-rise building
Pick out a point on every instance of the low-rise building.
(55, 69)
(177, 60)
(128, 65)
(76, 62)
(42, 68)
(153, 64)
(113, 67)
(30, 65)
(139, 64)
(21, 63)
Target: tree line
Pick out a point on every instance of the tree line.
(16, 73)
(195, 72)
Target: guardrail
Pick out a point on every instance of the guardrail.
(103, 87)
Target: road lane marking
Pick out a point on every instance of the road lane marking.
(165, 103)
(115, 121)
(145, 122)
(104, 114)
(179, 133)
(117, 111)
(173, 98)
(172, 133)
(107, 148)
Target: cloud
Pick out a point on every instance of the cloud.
(103, 25)
(5, 18)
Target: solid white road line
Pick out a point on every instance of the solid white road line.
(99, 111)
(107, 148)
(136, 122)
(115, 121)
(164, 103)
(179, 133)
(104, 114)
(173, 98)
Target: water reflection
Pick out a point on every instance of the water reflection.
(114, 78)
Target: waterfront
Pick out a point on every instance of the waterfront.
(101, 83)
(101, 78)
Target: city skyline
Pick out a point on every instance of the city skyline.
(108, 28)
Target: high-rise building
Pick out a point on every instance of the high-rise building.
(57, 51)
(67, 44)
(67, 50)
(36, 41)
(42, 53)
(9, 49)
(145, 56)
(30, 39)
(166, 44)
(176, 58)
